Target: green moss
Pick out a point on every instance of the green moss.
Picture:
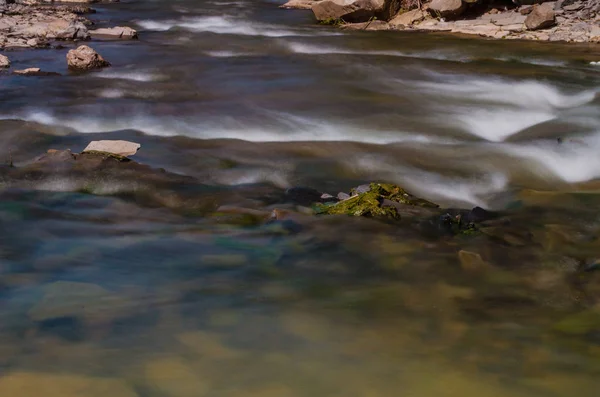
(107, 154)
(332, 22)
(369, 204)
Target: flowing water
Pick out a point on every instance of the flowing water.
(101, 295)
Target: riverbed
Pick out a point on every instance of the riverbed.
(104, 295)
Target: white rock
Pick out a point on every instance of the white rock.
(120, 148)
(4, 61)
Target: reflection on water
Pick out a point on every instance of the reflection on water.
(109, 288)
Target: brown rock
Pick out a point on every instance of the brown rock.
(447, 9)
(407, 18)
(4, 62)
(85, 58)
(118, 32)
(526, 10)
(355, 10)
(541, 17)
(119, 148)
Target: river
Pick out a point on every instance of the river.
(101, 295)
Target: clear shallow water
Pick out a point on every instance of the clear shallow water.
(102, 295)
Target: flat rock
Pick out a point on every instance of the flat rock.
(75, 31)
(85, 58)
(407, 18)
(374, 25)
(119, 148)
(34, 72)
(4, 61)
(118, 32)
(299, 4)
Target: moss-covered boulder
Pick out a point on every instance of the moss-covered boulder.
(379, 200)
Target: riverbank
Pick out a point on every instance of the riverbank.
(563, 21)
(37, 24)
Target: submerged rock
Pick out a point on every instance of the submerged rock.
(85, 58)
(34, 72)
(376, 200)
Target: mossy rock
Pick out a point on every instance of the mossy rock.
(371, 203)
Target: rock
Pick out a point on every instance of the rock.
(299, 4)
(355, 10)
(471, 261)
(85, 58)
(372, 202)
(525, 10)
(75, 31)
(118, 148)
(343, 196)
(573, 7)
(29, 384)
(407, 18)
(541, 17)
(4, 61)
(372, 25)
(447, 9)
(72, 299)
(118, 32)
(32, 42)
(34, 72)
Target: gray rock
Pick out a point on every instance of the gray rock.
(75, 31)
(573, 7)
(362, 189)
(447, 9)
(118, 32)
(541, 17)
(343, 196)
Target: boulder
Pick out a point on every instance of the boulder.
(447, 9)
(4, 62)
(299, 4)
(118, 32)
(355, 10)
(407, 18)
(541, 17)
(85, 58)
(75, 31)
(118, 148)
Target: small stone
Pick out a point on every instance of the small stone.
(361, 189)
(4, 61)
(34, 72)
(119, 148)
(343, 196)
